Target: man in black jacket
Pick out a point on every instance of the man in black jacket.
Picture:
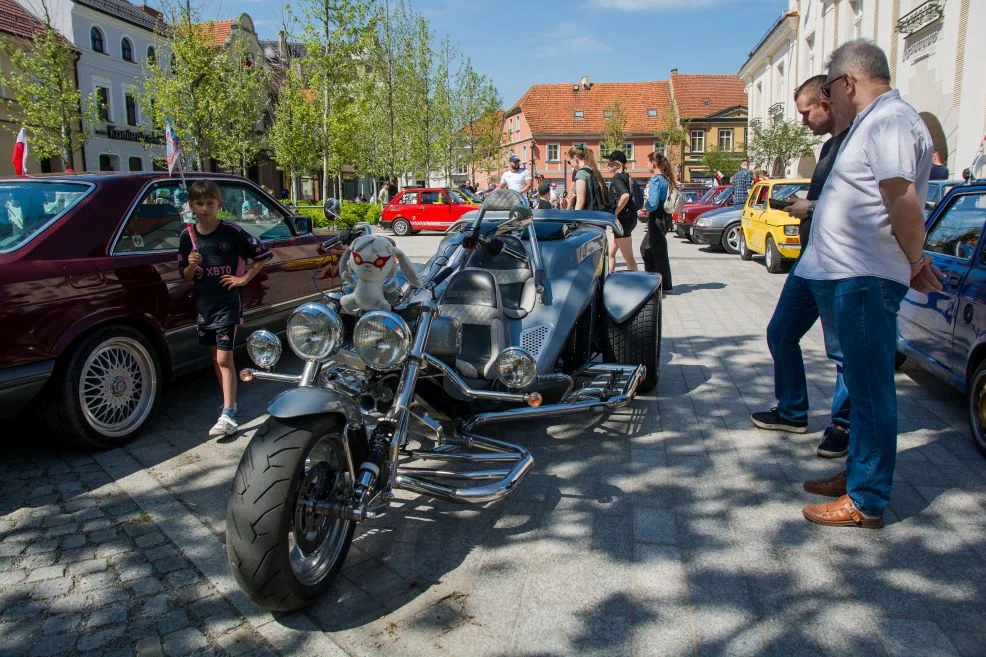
(796, 311)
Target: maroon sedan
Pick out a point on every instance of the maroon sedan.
(95, 315)
(714, 198)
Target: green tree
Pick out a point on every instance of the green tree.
(614, 129)
(41, 84)
(775, 145)
(293, 135)
(726, 162)
(236, 133)
(420, 78)
(337, 37)
(479, 119)
(673, 133)
(447, 131)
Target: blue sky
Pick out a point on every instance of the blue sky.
(519, 44)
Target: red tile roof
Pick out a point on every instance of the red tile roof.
(217, 31)
(699, 96)
(19, 22)
(550, 108)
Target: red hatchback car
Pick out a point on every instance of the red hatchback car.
(415, 209)
(95, 315)
(715, 197)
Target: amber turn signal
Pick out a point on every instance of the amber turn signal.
(534, 399)
(246, 374)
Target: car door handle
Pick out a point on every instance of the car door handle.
(953, 280)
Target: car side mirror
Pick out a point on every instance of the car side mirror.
(300, 224)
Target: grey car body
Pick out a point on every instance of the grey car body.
(710, 226)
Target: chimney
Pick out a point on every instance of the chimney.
(151, 11)
(585, 82)
(674, 71)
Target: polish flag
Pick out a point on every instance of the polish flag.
(20, 154)
(719, 176)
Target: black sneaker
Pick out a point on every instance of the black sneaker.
(835, 442)
(772, 420)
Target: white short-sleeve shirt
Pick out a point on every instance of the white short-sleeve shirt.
(851, 233)
(516, 181)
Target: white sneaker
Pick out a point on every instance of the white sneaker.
(224, 426)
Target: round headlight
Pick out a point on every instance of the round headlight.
(264, 349)
(314, 332)
(515, 367)
(382, 339)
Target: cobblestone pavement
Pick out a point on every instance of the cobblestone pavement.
(672, 528)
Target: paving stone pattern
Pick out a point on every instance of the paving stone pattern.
(671, 528)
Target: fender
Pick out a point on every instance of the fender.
(306, 400)
(624, 292)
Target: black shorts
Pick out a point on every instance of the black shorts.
(628, 224)
(222, 338)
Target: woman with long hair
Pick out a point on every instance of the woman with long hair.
(655, 247)
(619, 187)
(590, 188)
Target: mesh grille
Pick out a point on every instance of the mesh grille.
(532, 339)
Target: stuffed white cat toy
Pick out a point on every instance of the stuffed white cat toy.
(369, 262)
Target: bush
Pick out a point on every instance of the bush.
(350, 214)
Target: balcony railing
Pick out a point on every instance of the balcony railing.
(776, 110)
(921, 17)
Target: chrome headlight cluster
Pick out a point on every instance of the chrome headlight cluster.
(314, 332)
(382, 339)
(703, 221)
(515, 367)
(264, 349)
(791, 231)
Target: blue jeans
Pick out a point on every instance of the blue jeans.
(862, 313)
(794, 315)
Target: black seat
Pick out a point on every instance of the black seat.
(514, 278)
(473, 297)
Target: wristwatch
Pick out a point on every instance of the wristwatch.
(811, 208)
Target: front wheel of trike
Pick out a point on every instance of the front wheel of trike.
(638, 340)
(282, 553)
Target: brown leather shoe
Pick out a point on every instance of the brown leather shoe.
(840, 513)
(830, 487)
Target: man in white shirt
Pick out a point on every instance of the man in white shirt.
(516, 178)
(866, 248)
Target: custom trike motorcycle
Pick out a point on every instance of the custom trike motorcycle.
(516, 317)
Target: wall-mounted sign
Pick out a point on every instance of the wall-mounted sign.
(128, 134)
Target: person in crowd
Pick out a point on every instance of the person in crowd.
(938, 170)
(211, 257)
(619, 189)
(516, 177)
(796, 311)
(655, 246)
(384, 196)
(866, 248)
(543, 201)
(589, 192)
(554, 195)
(742, 182)
(760, 175)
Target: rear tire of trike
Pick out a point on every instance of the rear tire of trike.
(283, 555)
(638, 340)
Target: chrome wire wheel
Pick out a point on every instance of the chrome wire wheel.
(117, 386)
(315, 540)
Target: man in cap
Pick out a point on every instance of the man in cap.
(543, 201)
(516, 178)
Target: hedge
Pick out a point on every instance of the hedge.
(350, 214)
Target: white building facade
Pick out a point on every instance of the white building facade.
(935, 50)
(116, 40)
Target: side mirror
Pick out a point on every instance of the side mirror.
(302, 224)
(331, 209)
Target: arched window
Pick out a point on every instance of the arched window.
(96, 40)
(127, 50)
(151, 55)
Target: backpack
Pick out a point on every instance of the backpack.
(597, 198)
(675, 200)
(636, 195)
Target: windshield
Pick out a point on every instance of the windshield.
(722, 195)
(707, 196)
(28, 207)
(469, 195)
(458, 197)
(794, 189)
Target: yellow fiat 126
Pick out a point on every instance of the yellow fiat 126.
(767, 228)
